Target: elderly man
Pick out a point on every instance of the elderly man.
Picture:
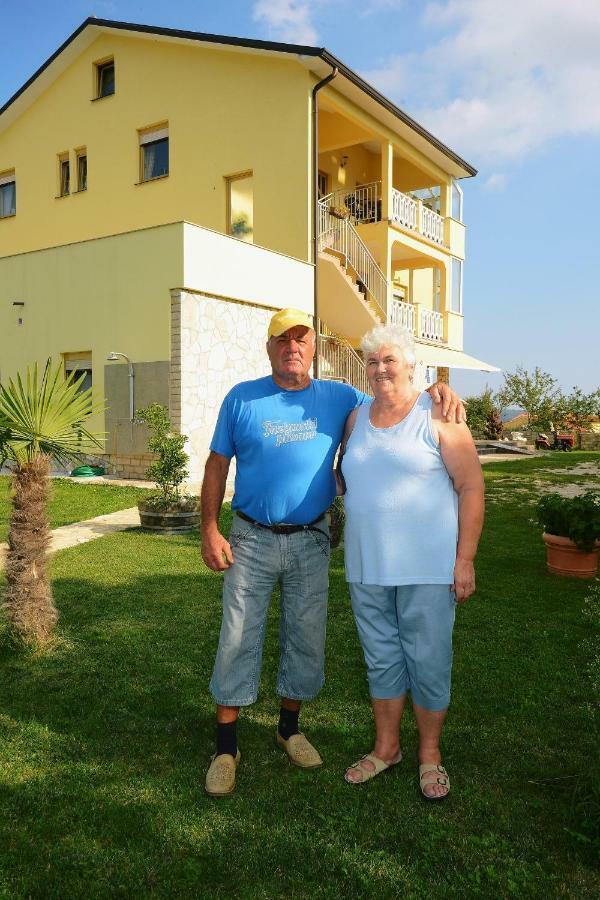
(284, 431)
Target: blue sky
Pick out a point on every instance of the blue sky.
(513, 87)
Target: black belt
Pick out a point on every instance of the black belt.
(284, 529)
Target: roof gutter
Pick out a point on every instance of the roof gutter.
(315, 209)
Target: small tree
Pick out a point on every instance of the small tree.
(170, 469)
(494, 426)
(479, 410)
(483, 416)
(39, 421)
(536, 393)
(580, 410)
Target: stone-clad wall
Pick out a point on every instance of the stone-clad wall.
(215, 344)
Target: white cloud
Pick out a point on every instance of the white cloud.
(500, 80)
(497, 181)
(286, 20)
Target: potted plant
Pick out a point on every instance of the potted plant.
(571, 533)
(167, 509)
(339, 212)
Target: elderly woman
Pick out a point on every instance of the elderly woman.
(414, 512)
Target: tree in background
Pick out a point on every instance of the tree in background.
(483, 416)
(580, 410)
(536, 393)
(39, 421)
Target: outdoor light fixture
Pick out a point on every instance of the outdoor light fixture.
(344, 162)
(112, 357)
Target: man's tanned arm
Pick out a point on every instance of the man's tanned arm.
(216, 551)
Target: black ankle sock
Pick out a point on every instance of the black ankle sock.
(226, 738)
(288, 722)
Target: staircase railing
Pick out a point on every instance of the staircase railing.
(339, 361)
(340, 235)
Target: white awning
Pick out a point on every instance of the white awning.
(431, 355)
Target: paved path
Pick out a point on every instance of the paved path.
(82, 532)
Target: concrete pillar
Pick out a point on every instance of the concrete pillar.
(387, 175)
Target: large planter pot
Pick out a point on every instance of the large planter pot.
(174, 521)
(563, 558)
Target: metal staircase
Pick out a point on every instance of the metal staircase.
(339, 361)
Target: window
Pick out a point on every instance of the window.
(437, 290)
(457, 202)
(240, 206)
(64, 175)
(105, 78)
(154, 153)
(8, 195)
(323, 183)
(82, 170)
(456, 286)
(80, 364)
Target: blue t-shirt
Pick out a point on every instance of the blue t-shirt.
(284, 443)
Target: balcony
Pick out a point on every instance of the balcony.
(363, 205)
(425, 324)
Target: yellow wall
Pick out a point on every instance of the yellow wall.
(227, 112)
(361, 167)
(101, 295)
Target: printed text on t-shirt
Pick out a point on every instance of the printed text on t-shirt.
(286, 432)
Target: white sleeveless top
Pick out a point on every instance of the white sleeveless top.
(401, 506)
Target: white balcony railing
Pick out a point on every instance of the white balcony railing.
(404, 210)
(431, 326)
(432, 225)
(402, 313)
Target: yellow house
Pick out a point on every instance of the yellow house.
(162, 192)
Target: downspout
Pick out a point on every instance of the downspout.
(315, 208)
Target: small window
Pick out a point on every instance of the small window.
(8, 195)
(437, 290)
(456, 304)
(81, 365)
(322, 184)
(240, 207)
(64, 175)
(457, 202)
(154, 153)
(105, 78)
(82, 170)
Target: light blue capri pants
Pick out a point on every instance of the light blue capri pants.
(406, 636)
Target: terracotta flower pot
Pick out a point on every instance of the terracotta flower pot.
(563, 558)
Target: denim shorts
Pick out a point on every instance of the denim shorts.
(406, 636)
(299, 562)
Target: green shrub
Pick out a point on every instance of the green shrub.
(170, 469)
(576, 518)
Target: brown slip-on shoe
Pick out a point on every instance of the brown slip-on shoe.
(300, 751)
(220, 778)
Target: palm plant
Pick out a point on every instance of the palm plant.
(40, 420)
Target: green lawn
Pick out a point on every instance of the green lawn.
(73, 502)
(104, 742)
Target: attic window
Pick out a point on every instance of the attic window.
(105, 78)
(8, 195)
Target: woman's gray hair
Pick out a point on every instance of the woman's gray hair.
(396, 336)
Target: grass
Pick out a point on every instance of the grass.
(72, 502)
(105, 740)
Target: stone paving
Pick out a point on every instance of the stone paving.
(82, 532)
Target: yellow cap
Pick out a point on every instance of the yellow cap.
(288, 318)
